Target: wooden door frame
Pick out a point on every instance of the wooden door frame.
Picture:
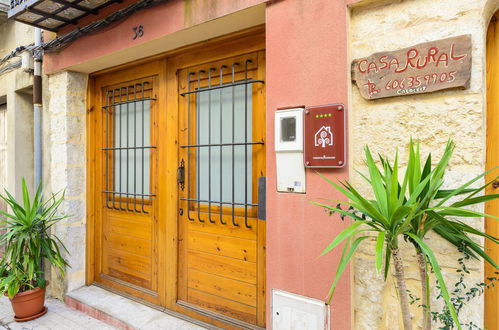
(248, 41)
(492, 207)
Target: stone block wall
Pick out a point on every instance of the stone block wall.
(432, 119)
(65, 168)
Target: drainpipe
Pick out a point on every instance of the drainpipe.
(37, 113)
(37, 104)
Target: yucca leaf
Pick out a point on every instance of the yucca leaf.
(443, 193)
(344, 191)
(376, 182)
(460, 212)
(345, 258)
(464, 227)
(367, 206)
(388, 257)
(439, 170)
(400, 213)
(345, 233)
(380, 242)
(475, 200)
(425, 173)
(464, 186)
(393, 187)
(454, 233)
(25, 192)
(413, 197)
(362, 175)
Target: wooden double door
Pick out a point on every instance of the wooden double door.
(176, 182)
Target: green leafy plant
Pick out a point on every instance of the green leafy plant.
(408, 210)
(28, 240)
(461, 295)
(441, 218)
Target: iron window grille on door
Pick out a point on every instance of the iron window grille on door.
(223, 147)
(127, 147)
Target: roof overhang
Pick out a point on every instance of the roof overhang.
(52, 15)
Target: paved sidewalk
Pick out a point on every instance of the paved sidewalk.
(59, 316)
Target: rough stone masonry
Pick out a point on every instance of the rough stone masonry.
(433, 118)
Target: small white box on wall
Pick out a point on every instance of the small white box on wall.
(294, 312)
(289, 150)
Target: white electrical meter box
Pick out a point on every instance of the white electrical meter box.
(289, 150)
(294, 312)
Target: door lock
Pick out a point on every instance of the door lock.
(181, 175)
(495, 184)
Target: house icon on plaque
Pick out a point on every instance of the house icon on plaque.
(324, 137)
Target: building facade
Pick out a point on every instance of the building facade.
(161, 126)
(16, 109)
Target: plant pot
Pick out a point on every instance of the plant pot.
(29, 305)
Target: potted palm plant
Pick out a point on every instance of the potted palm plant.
(28, 241)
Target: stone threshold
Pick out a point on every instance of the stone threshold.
(128, 314)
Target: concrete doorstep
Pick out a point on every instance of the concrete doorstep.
(128, 314)
(95, 308)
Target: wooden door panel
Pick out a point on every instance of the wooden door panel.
(127, 243)
(243, 271)
(231, 231)
(223, 287)
(222, 245)
(126, 150)
(222, 147)
(141, 230)
(223, 306)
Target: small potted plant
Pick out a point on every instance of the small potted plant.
(28, 241)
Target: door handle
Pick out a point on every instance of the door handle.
(181, 175)
(262, 198)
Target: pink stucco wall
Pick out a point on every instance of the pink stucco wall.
(306, 64)
(164, 19)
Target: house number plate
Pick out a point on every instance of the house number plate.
(325, 130)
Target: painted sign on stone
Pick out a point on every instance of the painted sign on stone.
(424, 68)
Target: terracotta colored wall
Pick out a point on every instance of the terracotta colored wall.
(158, 21)
(306, 64)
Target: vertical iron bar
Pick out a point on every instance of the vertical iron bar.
(188, 150)
(246, 146)
(127, 150)
(114, 151)
(233, 140)
(135, 148)
(120, 189)
(209, 148)
(143, 145)
(107, 109)
(221, 141)
(198, 164)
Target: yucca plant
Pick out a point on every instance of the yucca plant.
(443, 219)
(408, 211)
(28, 240)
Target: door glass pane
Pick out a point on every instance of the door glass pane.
(220, 120)
(132, 132)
